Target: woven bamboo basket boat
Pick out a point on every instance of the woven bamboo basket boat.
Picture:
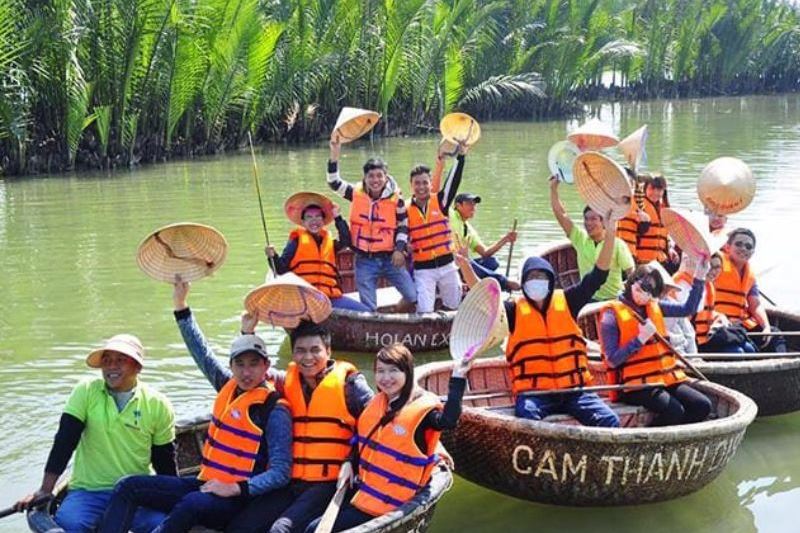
(356, 331)
(415, 516)
(561, 462)
(773, 384)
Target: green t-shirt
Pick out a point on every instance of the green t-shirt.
(588, 251)
(113, 443)
(464, 235)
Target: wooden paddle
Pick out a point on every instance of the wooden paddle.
(34, 503)
(722, 356)
(773, 334)
(510, 250)
(332, 511)
(260, 202)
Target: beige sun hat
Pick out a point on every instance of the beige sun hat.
(286, 300)
(666, 279)
(560, 159)
(460, 127)
(354, 123)
(689, 230)
(603, 184)
(124, 344)
(633, 148)
(593, 135)
(297, 202)
(726, 186)
(191, 250)
(480, 323)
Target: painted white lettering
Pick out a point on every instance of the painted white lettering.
(387, 339)
(695, 465)
(656, 460)
(547, 465)
(675, 462)
(569, 467)
(610, 459)
(371, 339)
(515, 458)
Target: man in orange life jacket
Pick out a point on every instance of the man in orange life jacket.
(431, 236)
(378, 226)
(545, 349)
(326, 398)
(737, 294)
(311, 250)
(247, 451)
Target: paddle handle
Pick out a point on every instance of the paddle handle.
(332, 511)
(747, 357)
(767, 298)
(260, 201)
(773, 334)
(510, 250)
(34, 503)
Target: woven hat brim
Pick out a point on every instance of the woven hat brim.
(286, 300)
(560, 159)
(633, 147)
(480, 323)
(460, 127)
(726, 186)
(353, 123)
(297, 202)
(602, 184)
(193, 251)
(689, 231)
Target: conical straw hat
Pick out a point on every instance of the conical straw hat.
(297, 202)
(560, 159)
(689, 230)
(633, 148)
(460, 127)
(192, 250)
(286, 300)
(593, 135)
(602, 184)
(726, 186)
(354, 123)
(480, 323)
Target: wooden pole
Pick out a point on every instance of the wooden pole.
(510, 250)
(260, 202)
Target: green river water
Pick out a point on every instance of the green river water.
(68, 279)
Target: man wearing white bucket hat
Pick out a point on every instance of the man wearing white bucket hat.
(117, 426)
(546, 350)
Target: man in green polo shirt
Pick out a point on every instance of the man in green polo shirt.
(587, 241)
(116, 426)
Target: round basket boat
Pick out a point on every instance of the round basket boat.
(561, 462)
(414, 516)
(774, 384)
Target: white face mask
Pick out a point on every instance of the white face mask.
(536, 289)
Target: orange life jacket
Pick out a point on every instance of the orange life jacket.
(391, 467)
(628, 227)
(732, 290)
(316, 263)
(373, 222)
(429, 231)
(233, 443)
(323, 428)
(653, 245)
(546, 351)
(702, 319)
(653, 363)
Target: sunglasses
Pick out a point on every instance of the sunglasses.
(648, 287)
(742, 244)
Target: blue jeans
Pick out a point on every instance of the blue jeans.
(82, 510)
(485, 267)
(343, 302)
(180, 497)
(369, 269)
(587, 407)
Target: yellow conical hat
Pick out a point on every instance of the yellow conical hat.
(354, 123)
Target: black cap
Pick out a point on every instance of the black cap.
(467, 197)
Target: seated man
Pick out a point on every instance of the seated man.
(247, 451)
(737, 295)
(465, 237)
(379, 229)
(311, 250)
(586, 242)
(117, 426)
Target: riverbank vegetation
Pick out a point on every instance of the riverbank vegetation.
(107, 83)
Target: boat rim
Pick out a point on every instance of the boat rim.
(406, 318)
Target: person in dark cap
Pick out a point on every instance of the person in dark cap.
(467, 239)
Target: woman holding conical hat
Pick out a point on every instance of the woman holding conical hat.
(311, 250)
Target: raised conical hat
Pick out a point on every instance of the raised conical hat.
(689, 230)
(602, 184)
(560, 159)
(593, 135)
(354, 123)
(190, 250)
(633, 148)
(286, 300)
(297, 202)
(460, 127)
(726, 186)
(480, 323)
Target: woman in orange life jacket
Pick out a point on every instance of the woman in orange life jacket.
(398, 434)
(311, 250)
(737, 294)
(247, 451)
(652, 240)
(634, 356)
